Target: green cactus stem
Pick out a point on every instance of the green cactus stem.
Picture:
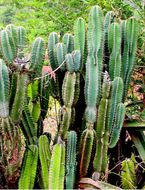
(19, 98)
(86, 146)
(57, 167)
(114, 44)
(7, 46)
(21, 37)
(45, 156)
(4, 90)
(68, 41)
(71, 159)
(29, 167)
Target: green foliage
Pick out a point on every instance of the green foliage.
(28, 172)
(57, 167)
(45, 156)
(128, 178)
(4, 90)
(71, 159)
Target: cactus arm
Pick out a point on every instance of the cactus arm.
(71, 159)
(60, 52)
(21, 37)
(7, 46)
(116, 97)
(114, 43)
(119, 118)
(68, 41)
(86, 145)
(56, 177)
(4, 90)
(45, 156)
(37, 56)
(130, 34)
(52, 41)
(13, 33)
(29, 167)
(79, 37)
(68, 88)
(19, 98)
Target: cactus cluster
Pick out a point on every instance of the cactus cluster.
(92, 73)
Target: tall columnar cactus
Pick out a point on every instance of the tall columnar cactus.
(102, 128)
(70, 89)
(57, 167)
(8, 47)
(114, 44)
(94, 62)
(28, 172)
(18, 103)
(71, 159)
(116, 98)
(21, 37)
(129, 34)
(79, 38)
(45, 156)
(86, 145)
(68, 41)
(4, 90)
(37, 56)
(52, 41)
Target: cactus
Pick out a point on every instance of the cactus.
(68, 41)
(101, 128)
(4, 90)
(7, 47)
(116, 98)
(60, 52)
(114, 44)
(57, 167)
(79, 37)
(21, 37)
(13, 33)
(52, 41)
(71, 159)
(130, 34)
(19, 98)
(45, 155)
(68, 88)
(37, 56)
(28, 172)
(86, 146)
(118, 123)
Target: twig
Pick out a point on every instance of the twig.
(50, 72)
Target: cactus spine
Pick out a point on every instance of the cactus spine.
(71, 159)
